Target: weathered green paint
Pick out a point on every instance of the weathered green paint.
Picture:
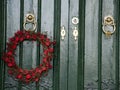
(63, 82)
(76, 64)
(21, 44)
(38, 29)
(56, 60)
(91, 43)
(100, 46)
(47, 24)
(117, 62)
(81, 45)
(2, 41)
(108, 63)
(72, 46)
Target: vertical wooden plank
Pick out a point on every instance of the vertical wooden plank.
(91, 44)
(117, 62)
(21, 44)
(73, 46)
(3, 11)
(100, 46)
(28, 45)
(47, 18)
(38, 29)
(39, 5)
(29, 48)
(35, 46)
(13, 25)
(64, 46)
(56, 60)
(81, 45)
(108, 49)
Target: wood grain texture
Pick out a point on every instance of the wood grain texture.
(64, 46)
(81, 45)
(91, 40)
(85, 64)
(73, 46)
(117, 63)
(47, 18)
(3, 21)
(108, 45)
(13, 24)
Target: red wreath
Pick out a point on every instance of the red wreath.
(33, 74)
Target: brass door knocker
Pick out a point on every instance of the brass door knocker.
(108, 26)
(30, 18)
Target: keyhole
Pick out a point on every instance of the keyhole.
(75, 33)
(63, 32)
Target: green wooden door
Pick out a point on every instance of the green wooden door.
(91, 62)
